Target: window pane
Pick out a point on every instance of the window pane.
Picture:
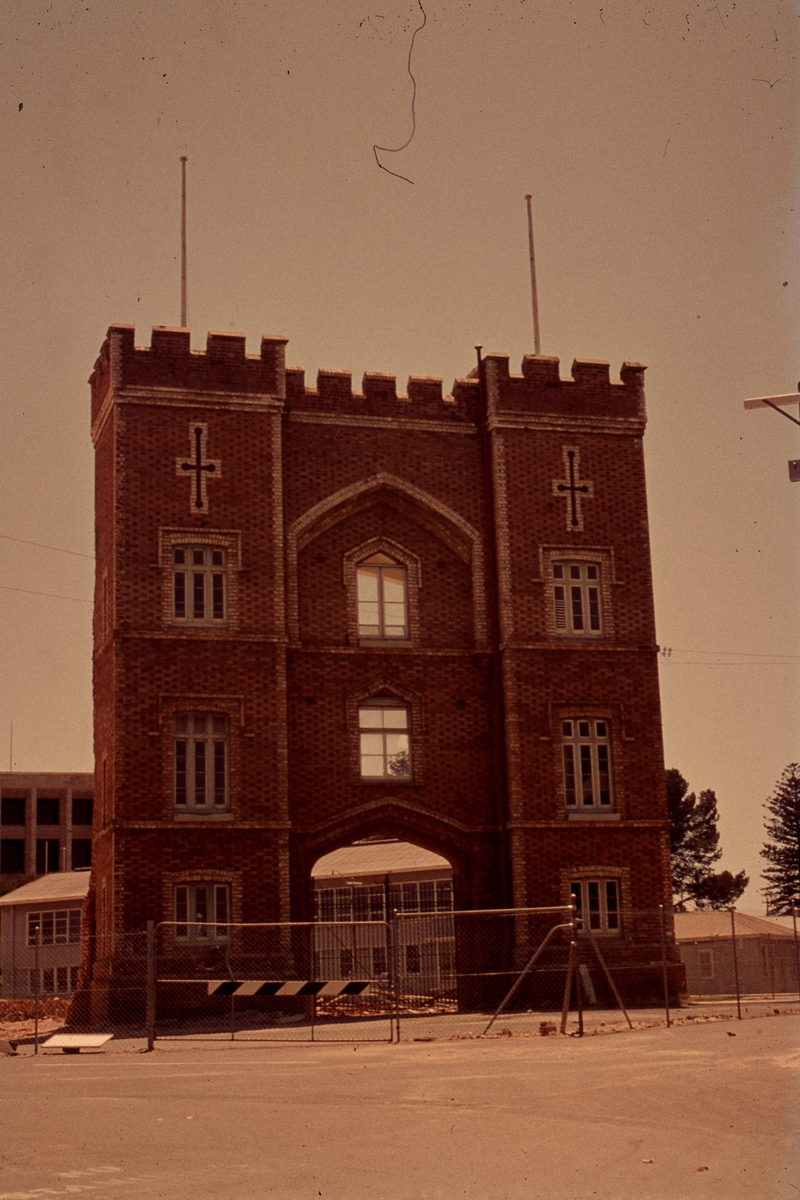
(397, 754)
(180, 772)
(604, 777)
(179, 555)
(200, 773)
(427, 897)
(593, 893)
(410, 898)
(594, 608)
(198, 557)
(569, 775)
(583, 729)
(47, 980)
(370, 718)
(47, 928)
(74, 925)
(216, 558)
(199, 596)
(201, 910)
(612, 904)
(180, 593)
(217, 597)
(561, 607)
(33, 925)
(586, 774)
(367, 585)
(577, 607)
(558, 571)
(219, 773)
(444, 895)
(412, 960)
(61, 928)
(62, 981)
(591, 572)
(395, 718)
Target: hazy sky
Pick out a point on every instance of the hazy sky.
(659, 143)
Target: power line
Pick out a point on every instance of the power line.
(24, 541)
(53, 596)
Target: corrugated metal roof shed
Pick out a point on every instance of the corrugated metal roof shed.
(60, 885)
(372, 858)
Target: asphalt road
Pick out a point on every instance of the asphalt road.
(507, 1118)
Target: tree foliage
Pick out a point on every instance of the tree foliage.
(782, 849)
(694, 846)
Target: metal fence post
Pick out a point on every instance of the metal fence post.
(662, 920)
(37, 990)
(796, 947)
(151, 984)
(732, 911)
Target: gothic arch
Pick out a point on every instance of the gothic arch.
(433, 514)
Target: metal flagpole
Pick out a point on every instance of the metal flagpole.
(183, 240)
(537, 346)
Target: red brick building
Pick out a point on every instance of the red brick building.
(324, 614)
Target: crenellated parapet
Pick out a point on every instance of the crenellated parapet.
(379, 397)
(540, 390)
(170, 364)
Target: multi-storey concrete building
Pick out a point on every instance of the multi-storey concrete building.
(45, 823)
(323, 615)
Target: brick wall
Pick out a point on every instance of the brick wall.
(297, 482)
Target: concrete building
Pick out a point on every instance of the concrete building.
(324, 615)
(47, 911)
(45, 823)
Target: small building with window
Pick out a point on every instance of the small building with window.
(766, 953)
(42, 920)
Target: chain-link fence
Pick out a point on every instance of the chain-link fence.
(309, 981)
(358, 980)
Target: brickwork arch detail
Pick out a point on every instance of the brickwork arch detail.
(434, 514)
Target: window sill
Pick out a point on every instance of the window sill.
(201, 816)
(594, 816)
(383, 643)
(387, 780)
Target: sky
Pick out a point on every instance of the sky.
(659, 144)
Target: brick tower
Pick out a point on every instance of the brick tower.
(324, 614)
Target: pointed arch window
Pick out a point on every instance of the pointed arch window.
(382, 596)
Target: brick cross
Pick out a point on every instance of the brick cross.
(198, 468)
(572, 488)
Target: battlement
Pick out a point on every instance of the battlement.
(170, 362)
(334, 393)
(541, 390)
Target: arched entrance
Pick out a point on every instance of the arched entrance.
(399, 883)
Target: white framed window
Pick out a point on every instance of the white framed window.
(59, 927)
(705, 963)
(200, 762)
(199, 576)
(587, 764)
(53, 981)
(382, 597)
(597, 904)
(576, 598)
(202, 913)
(384, 745)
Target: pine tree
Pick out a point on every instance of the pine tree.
(694, 845)
(782, 850)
